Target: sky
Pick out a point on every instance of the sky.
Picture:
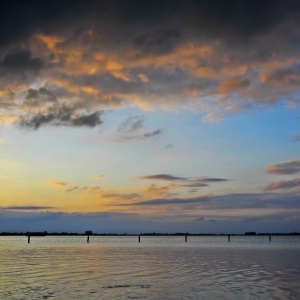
(150, 116)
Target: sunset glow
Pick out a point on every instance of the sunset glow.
(143, 116)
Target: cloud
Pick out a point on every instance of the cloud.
(26, 207)
(211, 179)
(118, 222)
(157, 42)
(75, 188)
(130, 196)
(233, 85)
(164, 177)
(171, 56)
(253, 201)
(195, 184)
(297, 138)
(153, 133)
(57, 182)
(291, 167)
(36, 97)
(127, 136)
(132, 124)
(21, 61)
(99, 176)
(129, 130)
(154, 190)
(91, 189)
(188, 182)
(72, 189)
(102, 222)
(235, 201)
(283, 184)
(89, 120)
(231, 21)
(59, 115)
(172, 201)
(284, 78)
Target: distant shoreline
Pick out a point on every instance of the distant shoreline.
(142, 234)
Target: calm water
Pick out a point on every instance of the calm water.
(156, 268)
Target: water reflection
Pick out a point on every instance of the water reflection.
(156, 268)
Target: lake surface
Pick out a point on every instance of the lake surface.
(248, 267)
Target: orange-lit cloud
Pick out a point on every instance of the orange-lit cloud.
(193, 75)
(233, 85)
(283, 184)
(50, 41)
(154, 190)
(166, 66)
(99, 176)
(58, 183)
(291, 167)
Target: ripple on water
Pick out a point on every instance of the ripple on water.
(169, 269)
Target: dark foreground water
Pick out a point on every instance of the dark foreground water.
(155, 268)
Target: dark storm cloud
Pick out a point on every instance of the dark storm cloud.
(22, 19)
(157, 42)
(89, 120)
(35, 97)
(60, 115)
(19, 67)
(218, 56)
(291, 167)
(234, 19)
(20, 62)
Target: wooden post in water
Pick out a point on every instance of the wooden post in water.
(28, 239)
(270, 237)
(228, 237)
(186, 238)
(88, 239)
(139, 238)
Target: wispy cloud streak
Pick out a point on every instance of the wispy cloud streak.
(291, 167)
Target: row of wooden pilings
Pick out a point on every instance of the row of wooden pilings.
(185, 238)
